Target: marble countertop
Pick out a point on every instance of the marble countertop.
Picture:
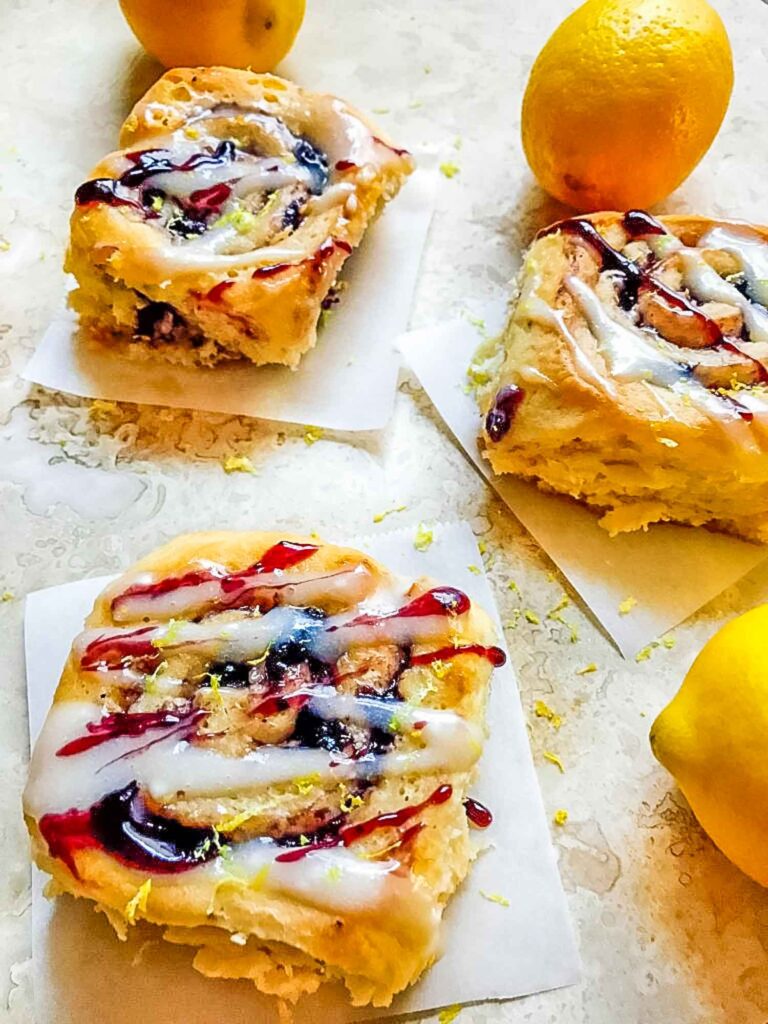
(668, 929)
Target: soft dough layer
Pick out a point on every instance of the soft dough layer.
(199, 663)
(632, 372)
(218, 230)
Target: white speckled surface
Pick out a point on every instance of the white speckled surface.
(669, 931)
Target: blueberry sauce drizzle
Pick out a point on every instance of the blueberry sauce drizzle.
(316, 261)
(637, 223)
(135, 648)
(494, 655)
(499, 417)
(113, 726)
(478, 814)
(348, 834)
(438, 601)
(283, 555)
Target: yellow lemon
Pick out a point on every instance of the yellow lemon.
(625, 99)
(713, 737)
(237, 33)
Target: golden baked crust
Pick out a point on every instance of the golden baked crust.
(230, 259)
(363, 906)
(632, 376)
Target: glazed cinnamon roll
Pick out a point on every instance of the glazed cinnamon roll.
(633, 372)
(264, 745)
(218, 230)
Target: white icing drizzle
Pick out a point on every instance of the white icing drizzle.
(335, 879)
(540, 312)
(750, 250)
(629, 354)
(706, 285)
(165, 767)
(347, 586)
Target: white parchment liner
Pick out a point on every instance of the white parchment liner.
(84, 975)
(669, 570)
(347, 382)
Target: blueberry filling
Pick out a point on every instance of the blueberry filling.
(235, 674)
(123, 824)
(339, 737)
(292, 214)
(502, 412)
(315, 162)
(158, 321)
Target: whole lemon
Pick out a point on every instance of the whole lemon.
(625, 99)
(237, 33)
(713, 737)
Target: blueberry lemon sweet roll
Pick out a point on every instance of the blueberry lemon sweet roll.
(633, 372)
(264, 745)
(218, 229)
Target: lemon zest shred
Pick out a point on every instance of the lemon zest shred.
(555, 760)
(474, 569)
(306, 783)
(424, 537)
(333, 874)
(626, 606)
(381, 516)
(231, 824)
(170, 635)
(313, 434)
(532, 617)
(137, 904)
(238, 464)
(7, 595)
(543, 710)
(495, 897)
(150, 680)
(560, 817)
(448, 1015)
(591, 667)
(260, 878)
(449, 169)
(262, 657)
(349, 801)
(100, 405)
